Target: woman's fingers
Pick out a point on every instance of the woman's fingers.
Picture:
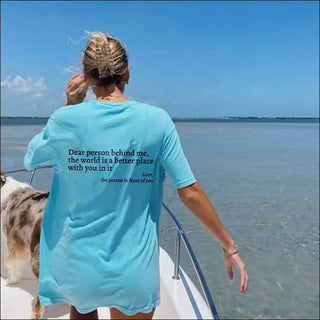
(75, 82)
(76, 89)
(71, 81)
(236, 261)
(230, 272)
(243, 278)
(244, 285)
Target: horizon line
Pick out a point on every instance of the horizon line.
(193, 117)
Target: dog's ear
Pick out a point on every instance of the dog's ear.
(3, 178)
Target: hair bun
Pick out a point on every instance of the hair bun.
(105, 61)
(105, 58)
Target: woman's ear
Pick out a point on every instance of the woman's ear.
(126, 76)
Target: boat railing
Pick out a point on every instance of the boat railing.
(180, 235)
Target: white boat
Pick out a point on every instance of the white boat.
(180, 299)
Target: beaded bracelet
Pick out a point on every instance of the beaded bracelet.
(227, 254)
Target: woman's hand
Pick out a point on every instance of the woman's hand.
(234, 260)
(76, 89)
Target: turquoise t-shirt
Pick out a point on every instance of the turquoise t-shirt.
(99, 242)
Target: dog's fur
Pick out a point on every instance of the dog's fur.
(21, 216)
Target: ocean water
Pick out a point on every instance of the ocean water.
(263, 180)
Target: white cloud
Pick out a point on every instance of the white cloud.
(24, 96)
(35, 88)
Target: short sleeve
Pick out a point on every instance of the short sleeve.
(40, 150)
(174, 161)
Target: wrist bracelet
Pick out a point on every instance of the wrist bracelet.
(229, 254)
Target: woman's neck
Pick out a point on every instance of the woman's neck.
(109, 93)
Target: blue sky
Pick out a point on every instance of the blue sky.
(192, 58)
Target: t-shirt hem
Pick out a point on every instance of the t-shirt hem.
(45, 301)
(185, 183)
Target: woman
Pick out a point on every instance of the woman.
(99, 240)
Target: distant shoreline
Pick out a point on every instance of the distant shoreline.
(43, 120)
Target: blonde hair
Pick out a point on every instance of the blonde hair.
(105, 59)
